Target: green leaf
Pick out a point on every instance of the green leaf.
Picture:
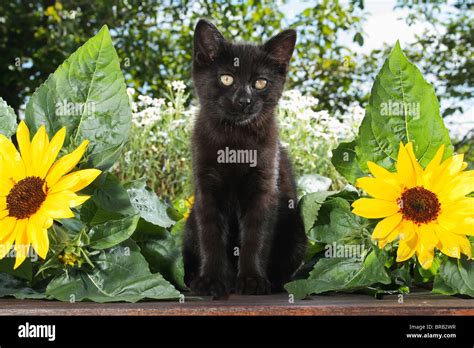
(343, 225)
(455, 277)
(112, 232)
(25, 271)
(341, 274)
(110, 195)
(165, 257)
(310, 205)
(18, 288)
(402, 108)
(87, 95)
(121, 274)
(7, 119)
(359, 39)
(148, 205)
(344, 160)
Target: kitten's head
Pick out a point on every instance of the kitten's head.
(239, 81)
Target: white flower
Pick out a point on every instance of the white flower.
(131, 91)
(178, 86)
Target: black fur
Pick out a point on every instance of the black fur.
(244, 233)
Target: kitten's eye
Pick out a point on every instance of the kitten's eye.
(261, 84)
(227, 80)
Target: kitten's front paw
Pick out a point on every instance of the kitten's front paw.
(208, 286)
(253, 285)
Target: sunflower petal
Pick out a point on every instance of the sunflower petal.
(407, 230)
(379, 189)
(465, 227)
(21, 242)
(65, 164)
(56, 206)
(418, 170)
(383, 174)
(427, 235)
(38, 236)
(24, 144)
(461, 207)
(10, 160)
(446, 172)
(7, 235)
(390, 238)
(448, 244)
(460, 186)
(425, 255)
(5, 186)
(52, 151)
(39, 144)
(405, 167)
(3, 213)
(434, 163)
(406, 248)
(372, 208)
(76, 181)
(386, 226)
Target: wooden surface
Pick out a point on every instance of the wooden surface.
(334, 304)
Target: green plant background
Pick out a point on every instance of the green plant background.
(124, 244)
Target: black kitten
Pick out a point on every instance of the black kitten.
(244, 233)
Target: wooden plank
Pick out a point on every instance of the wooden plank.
(278, 304)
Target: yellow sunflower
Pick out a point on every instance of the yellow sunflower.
(34, 189)
(424, 208)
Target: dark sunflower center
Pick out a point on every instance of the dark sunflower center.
(26, 197)
(419, 205)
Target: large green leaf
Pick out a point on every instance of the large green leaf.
(344, 160)
(148, 205)
(402, 108)
(310, 205)
(25, 271)
(341, 274)
(455, 277)
(7, 119)
(18, 288)
(113, 232)
(343, 226)
(121, 274)
(165, 257)
(87, 94)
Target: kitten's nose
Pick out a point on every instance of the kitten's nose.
(244, 102)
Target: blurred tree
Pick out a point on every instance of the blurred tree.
(154, 40)
(443, 51)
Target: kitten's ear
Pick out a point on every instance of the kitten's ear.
(207, 42)
(281, 47)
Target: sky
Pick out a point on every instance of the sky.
(384, 25)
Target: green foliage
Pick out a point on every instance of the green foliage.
(344, 274)
(159, 146)
(112, 232)
(329, 223)
(154, 40)
(344, 160)
(86, 94)
(402, 108)
(7, 119)
(455, 277)
(93, 256)
(121, 274)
